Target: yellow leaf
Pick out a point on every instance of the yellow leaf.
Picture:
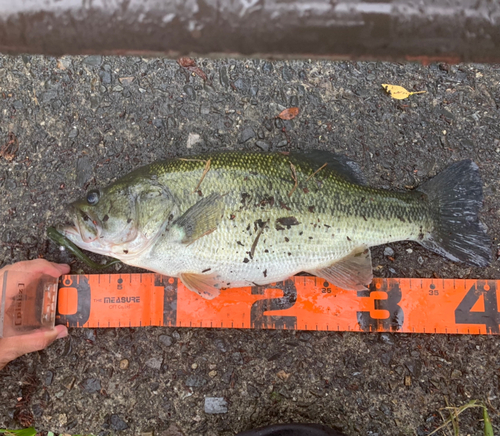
(398, 92)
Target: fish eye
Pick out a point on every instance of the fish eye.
(93, 197)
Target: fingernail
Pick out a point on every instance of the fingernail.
(62, 331)
(63, 267)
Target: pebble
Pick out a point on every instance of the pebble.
(204, 109)
(68, 383)
(93, 61)
(223, 77)
(194, 366)
(294, 101)
(171, 123)
(91, 385)
(49, 376)
(267, 67)
(268, 124)
(226, 377)
(195, 381)
(83, 170)
(154, 362)
(388, 251)
(117, 423)
(105, 77)
(242, 85)
(386, 338)
(190, 92)
(237, 358)
(287, 73)
(124, 364)
(193, 138)
(246, 134)
(166, 340)
(212, 374)
(215, 405)
(73, 133)
(64, 63)
(263, 145)
(90, 334)
(158, 123)
(10, 185)
(173, 430)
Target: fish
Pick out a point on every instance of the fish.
(233, 219)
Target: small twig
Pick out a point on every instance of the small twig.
(294, 177)
(316, 172)
(205, 171)
(9, 149)
(192, 160)
(254, 245)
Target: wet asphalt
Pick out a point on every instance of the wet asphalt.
(73, 123)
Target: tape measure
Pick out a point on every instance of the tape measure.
(300, 303)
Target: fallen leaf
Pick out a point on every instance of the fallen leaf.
(126, 80)
(289, 114)
(283, 375)
(9, 149)
(398, 92)
(190, 65)
(186, 62)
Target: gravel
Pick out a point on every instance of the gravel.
(77, 130)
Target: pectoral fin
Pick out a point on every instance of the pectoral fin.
(353, 272)
(206, 285)
(200, 219)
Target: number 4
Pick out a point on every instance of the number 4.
(490, 316)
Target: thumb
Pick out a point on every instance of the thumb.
(13, 347)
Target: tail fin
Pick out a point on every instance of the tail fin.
(456, 195)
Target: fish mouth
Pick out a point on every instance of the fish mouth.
(85, 229)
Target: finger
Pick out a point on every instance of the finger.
(41, 266)
(13, 347)
(63, 268)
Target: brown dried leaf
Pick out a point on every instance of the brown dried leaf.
(190, 65)
(283, 375)
(186, 62)
(9, 149)
(289, 114)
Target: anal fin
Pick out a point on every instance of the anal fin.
(353, 272)
(207, 286)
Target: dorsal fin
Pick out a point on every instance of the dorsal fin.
(338, 163)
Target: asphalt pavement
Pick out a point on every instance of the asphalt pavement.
(73, 123)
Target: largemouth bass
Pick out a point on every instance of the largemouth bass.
(240, 219)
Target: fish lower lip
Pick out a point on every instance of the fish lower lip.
(69, 231)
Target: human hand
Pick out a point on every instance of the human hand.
(13, 347)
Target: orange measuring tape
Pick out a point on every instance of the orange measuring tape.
(300, 303)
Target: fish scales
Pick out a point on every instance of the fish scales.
(333, 216)
(235, 219)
